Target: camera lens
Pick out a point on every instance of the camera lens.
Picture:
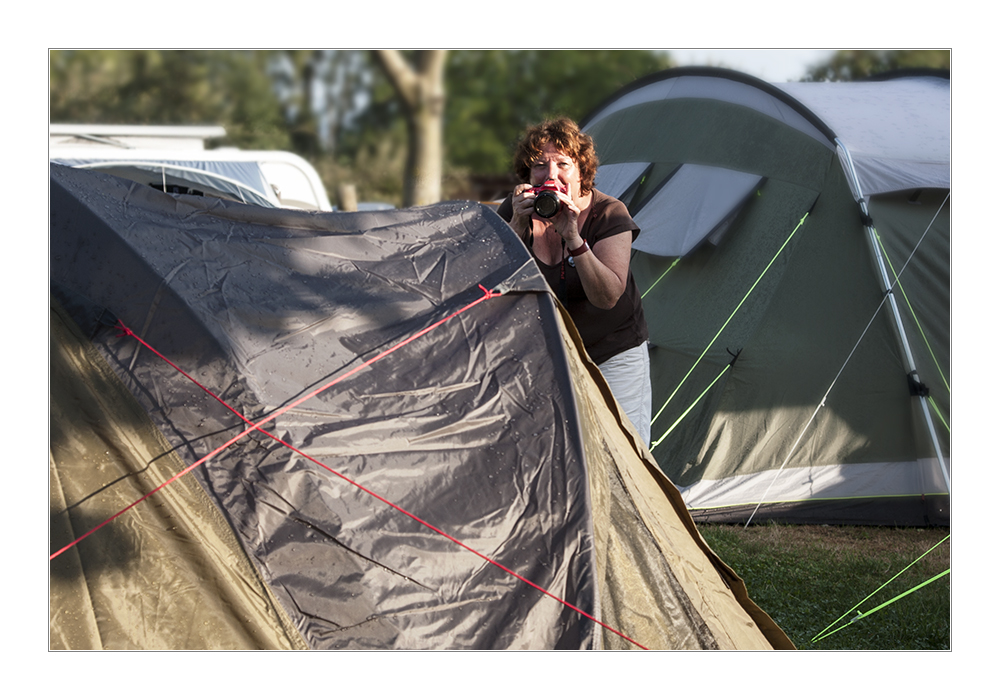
(547, 204)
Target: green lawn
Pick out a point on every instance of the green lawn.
(806, 576)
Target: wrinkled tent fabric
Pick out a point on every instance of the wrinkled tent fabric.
(171, 576)
(747, 337)
(243, 181)
(492, 426)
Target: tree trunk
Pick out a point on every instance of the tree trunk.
(421, 91)
(347, 198)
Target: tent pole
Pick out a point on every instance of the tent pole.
(887, 286)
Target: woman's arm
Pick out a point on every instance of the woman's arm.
(604, 269)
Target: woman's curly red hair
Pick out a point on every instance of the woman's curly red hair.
(565, 135)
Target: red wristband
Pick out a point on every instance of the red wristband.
(579, 251)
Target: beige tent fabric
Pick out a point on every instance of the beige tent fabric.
(167, 574)
(661, 584)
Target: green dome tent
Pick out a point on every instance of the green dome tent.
(795, 267)
(290, 430)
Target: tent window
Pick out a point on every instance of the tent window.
(621, 180)
(697, 204)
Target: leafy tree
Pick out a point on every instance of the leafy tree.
(231, 88)
(342, 109)
(855, 64)
(494, 95)
(295, 75)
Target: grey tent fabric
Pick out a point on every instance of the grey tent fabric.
(168, 577)
(407, 447)
(617, 179)
(694, 204)
(243, 181)
(781, 387)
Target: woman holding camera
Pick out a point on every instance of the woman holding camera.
(582, 241)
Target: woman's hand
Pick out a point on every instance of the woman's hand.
(603, 270)
(567, 221)
(523, 202)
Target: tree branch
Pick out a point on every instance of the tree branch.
(402, 76)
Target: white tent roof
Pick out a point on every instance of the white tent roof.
(897, 131)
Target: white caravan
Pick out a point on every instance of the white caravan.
(174, 159)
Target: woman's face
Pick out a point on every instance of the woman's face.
(552, 164)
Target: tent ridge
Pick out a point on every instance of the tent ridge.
(711, 72)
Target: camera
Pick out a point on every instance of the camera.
(547, 202)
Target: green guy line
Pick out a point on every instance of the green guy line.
(688, 410)
(913, 312)
(821, 634)
(940, 416)
(885, 604)
(676, 260)
(745, 296)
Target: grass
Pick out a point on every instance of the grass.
(806, 576)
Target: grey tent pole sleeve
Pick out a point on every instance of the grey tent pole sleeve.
(887, 285)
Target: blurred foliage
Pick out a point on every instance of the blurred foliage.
(855, 64)
(336, 108)
(491, 97)
(231, 88)
(494, 95)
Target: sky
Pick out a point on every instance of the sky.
(770, 65)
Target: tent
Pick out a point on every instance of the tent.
(795, 268)
(298, 430)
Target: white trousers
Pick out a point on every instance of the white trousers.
(627, 373)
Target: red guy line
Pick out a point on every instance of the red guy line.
(488, 294)
(266, 419)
